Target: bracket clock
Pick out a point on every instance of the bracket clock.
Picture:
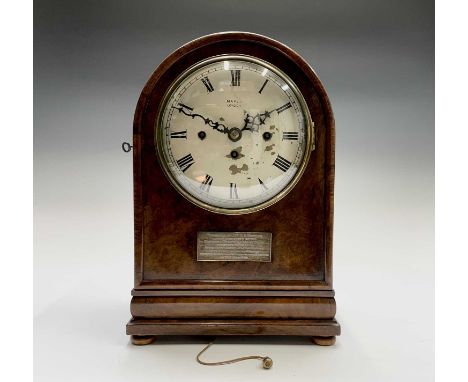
(233, 154)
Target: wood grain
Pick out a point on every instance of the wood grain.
(233, 307)
(321, 328)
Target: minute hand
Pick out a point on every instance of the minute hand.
(215, 125)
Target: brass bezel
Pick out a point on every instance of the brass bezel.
(159, 136)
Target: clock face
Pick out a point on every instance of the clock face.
(234, 134)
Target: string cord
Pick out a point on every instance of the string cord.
(267, 361)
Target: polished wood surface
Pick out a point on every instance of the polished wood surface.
(238, 292)
(166, 224)
(233, 307)
(210, 327)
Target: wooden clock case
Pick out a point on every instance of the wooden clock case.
(174, 294)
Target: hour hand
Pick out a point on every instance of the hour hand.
(188, 111)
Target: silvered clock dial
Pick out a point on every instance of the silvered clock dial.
(234, 134)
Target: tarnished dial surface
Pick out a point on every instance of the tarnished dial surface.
(234, 134)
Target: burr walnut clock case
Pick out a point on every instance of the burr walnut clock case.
(233, 153)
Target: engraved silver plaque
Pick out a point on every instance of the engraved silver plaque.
(234, 246)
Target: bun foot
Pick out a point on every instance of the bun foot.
(142, 340)
(324, 341)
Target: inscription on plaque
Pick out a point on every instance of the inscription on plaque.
(234, 246)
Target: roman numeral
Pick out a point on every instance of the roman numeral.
(284, 107)
(263, 86)
(206, 184)
(290, 135)
(262, 184)
(281, 163)
(235, 77)
(185, 162)
(179, 134)
(207, 83)
(233, 191)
